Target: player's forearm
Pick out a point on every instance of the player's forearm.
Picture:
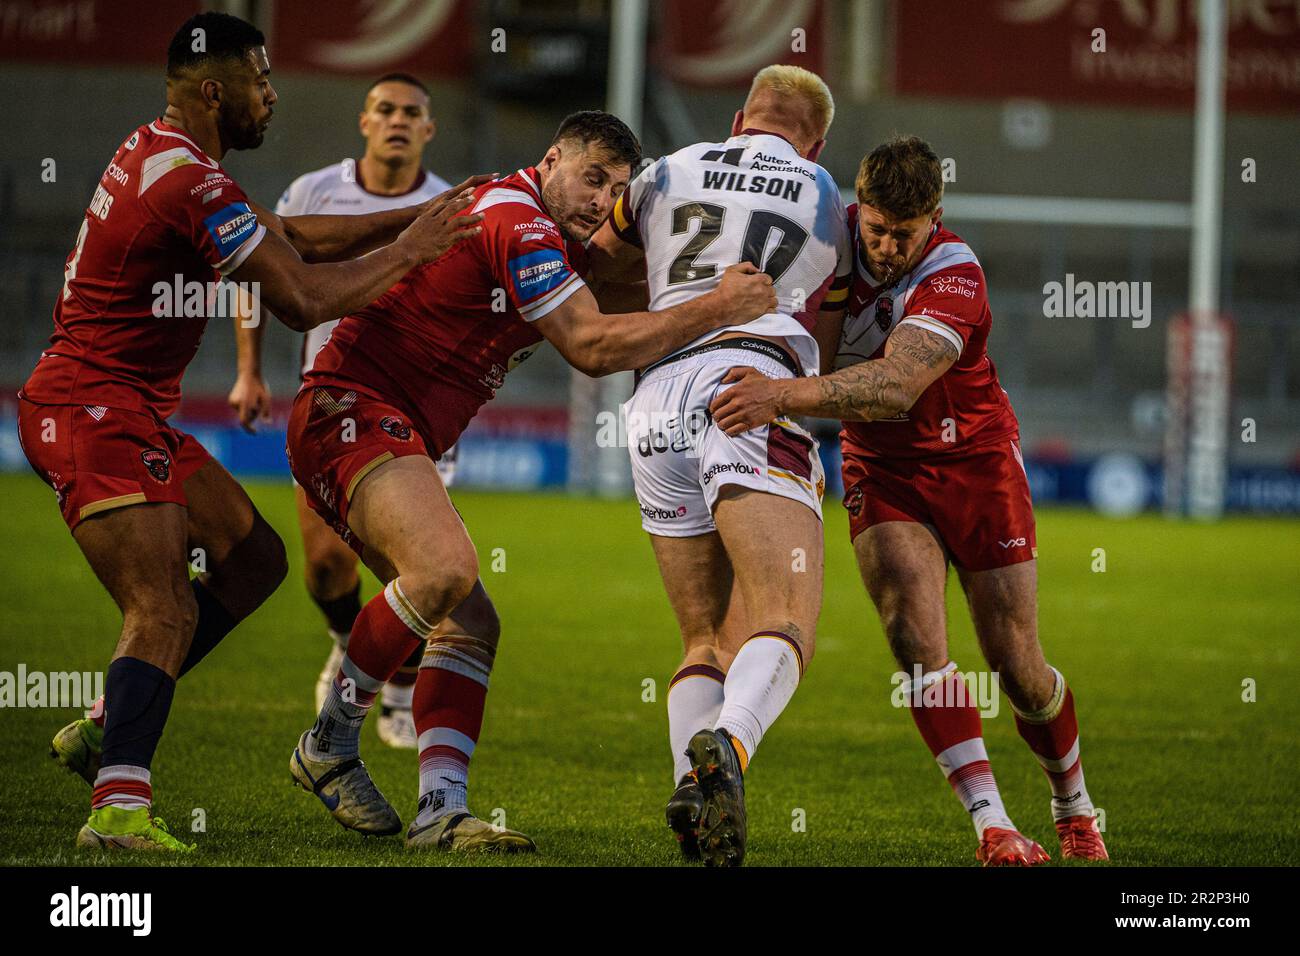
(865, 392)
(326, 291)
(619, 298)
(248, 345)
(335, 238)
(633, 340)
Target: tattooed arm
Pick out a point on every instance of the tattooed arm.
(879, 388)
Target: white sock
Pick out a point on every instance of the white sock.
(398, 697)
(694, 699)
(444, 788)
(760, 682)
(337, 731)
(966, 766)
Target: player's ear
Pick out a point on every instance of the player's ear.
(210, 92)
(738, 122)
(363, 124)
(816, 150)
(552, 157)
(936, 216)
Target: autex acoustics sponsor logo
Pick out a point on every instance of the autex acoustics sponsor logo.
(74, 909)
(662, 514)
(730, 468)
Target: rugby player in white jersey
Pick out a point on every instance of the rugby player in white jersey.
(397, 126)
(735, 522)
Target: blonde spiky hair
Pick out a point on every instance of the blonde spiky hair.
(800, 93)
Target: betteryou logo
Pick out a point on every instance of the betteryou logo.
(74, 908)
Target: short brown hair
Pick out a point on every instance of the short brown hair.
(603, 130)
(901, 177)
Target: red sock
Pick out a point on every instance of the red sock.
(450, 695)
(950, 725)
(385, 633)
(1053, 735)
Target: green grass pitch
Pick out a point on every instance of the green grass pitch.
(1157, 648)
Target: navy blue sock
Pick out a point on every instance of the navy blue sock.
(214, 623)
(138, 697)
(341, 612)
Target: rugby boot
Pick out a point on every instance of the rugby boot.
(78, 747)
(683, 815)
(1001, 847)
(397, 728)
(721, 829)
(343, 784)
(462, 832)
(1081, 839)
(112, 828)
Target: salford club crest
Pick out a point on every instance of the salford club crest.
(396, 427)
(159, 465)
(885, 312)
(853, 500)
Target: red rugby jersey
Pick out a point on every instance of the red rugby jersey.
(439, 343)
(163, 215)
(945, 293)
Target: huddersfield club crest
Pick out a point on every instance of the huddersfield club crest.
(396, 427)
(159, 465)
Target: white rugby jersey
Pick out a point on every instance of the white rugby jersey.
(338, 191)
(751, 198)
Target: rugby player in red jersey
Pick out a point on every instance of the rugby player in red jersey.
(140, 496)
(397, 126)
(933, 473)
(392, 390)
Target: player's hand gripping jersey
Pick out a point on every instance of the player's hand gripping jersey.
(412, 368)
(752, 198)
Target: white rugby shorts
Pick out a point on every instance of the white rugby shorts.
(680, 458)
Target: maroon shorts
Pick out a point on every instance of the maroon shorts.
(977, 500)
(336, 438)
(98, 458)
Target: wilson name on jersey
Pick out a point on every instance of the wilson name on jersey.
(752, 198)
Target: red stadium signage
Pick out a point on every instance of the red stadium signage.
(90, 31)
(1052, 50)
(725, 44)
(424, 37)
